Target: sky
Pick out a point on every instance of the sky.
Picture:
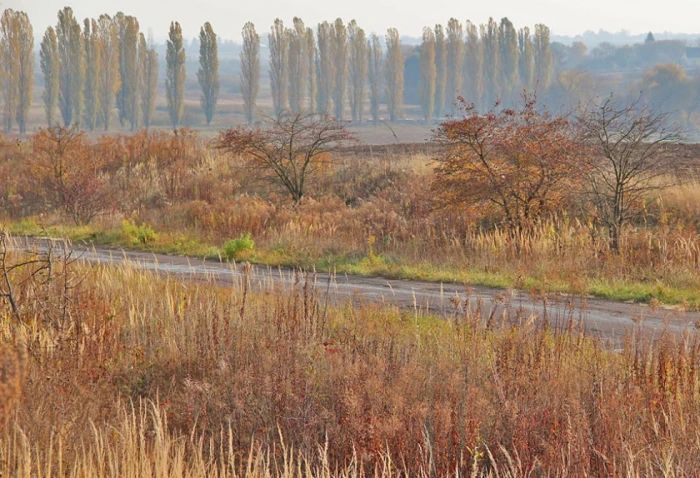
(563, 17)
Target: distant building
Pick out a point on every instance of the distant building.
(692, 56)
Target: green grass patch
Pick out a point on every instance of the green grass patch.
(143, 237)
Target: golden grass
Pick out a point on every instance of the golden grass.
(130, 374)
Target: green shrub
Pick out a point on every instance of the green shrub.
(138, 234)
(233, 247)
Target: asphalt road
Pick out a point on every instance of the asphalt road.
(606, 318)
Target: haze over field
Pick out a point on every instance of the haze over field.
(409, 17)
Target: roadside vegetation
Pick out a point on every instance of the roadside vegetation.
(125, 373)
(427, 211)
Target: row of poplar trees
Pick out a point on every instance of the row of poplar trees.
(315, 73)
(108, 62)
(483, 64)
(91, 70)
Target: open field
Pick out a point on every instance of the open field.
(125, 373)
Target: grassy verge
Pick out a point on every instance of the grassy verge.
(143, 238)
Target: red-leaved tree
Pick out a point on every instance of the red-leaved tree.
(517, 164)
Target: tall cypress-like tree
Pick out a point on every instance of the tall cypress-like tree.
(10, 58)
(526, 63)
(278, 43)
(509, 53)
(93, 72)
(340, 60)
(358, 63)
(325, 68)
(208, 74)
(375, 76)
(26, 69)
(427, 73)
(394, 74)
(149, 80)
(250, 70)
(298, 66)
(455, 59)
(109, 81)
(127, 97)
(492, 63)
(175, 74)
(440, 70)
(49, 64)
(542, 56)
(72, 67)
(311, 67)
(473, 65)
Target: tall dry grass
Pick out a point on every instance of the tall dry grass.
(132, 374)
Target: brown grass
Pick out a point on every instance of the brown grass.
(129, 374)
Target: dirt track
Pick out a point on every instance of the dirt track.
(602, 317)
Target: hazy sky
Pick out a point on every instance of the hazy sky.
(409, 16)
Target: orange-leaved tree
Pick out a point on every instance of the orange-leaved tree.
(514, 163)
(288, 149)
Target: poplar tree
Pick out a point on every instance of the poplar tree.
(49, 64)
(492, 64)
(311, 67)
(325, 71)
(93, 72)
(298, 66)
(127, 97)
(278, 43)
(394, 74)
(473, 65)
(542, 56)
(149, 80)
(440, 70)
(72, 67)
(358, 63)
(26, 69)
(10, 56)
(208, 74)
(526, 63)
(175, 74)
(250, 70)
(455, 58)
(375, 76)
(508, 45)
(427, 73)
(109, 79)
(340, 59)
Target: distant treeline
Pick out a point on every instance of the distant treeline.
(103, 64)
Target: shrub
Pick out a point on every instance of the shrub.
(138, 234)
(233, 247)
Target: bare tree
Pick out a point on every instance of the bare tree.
(632, 150)
(290, 148)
